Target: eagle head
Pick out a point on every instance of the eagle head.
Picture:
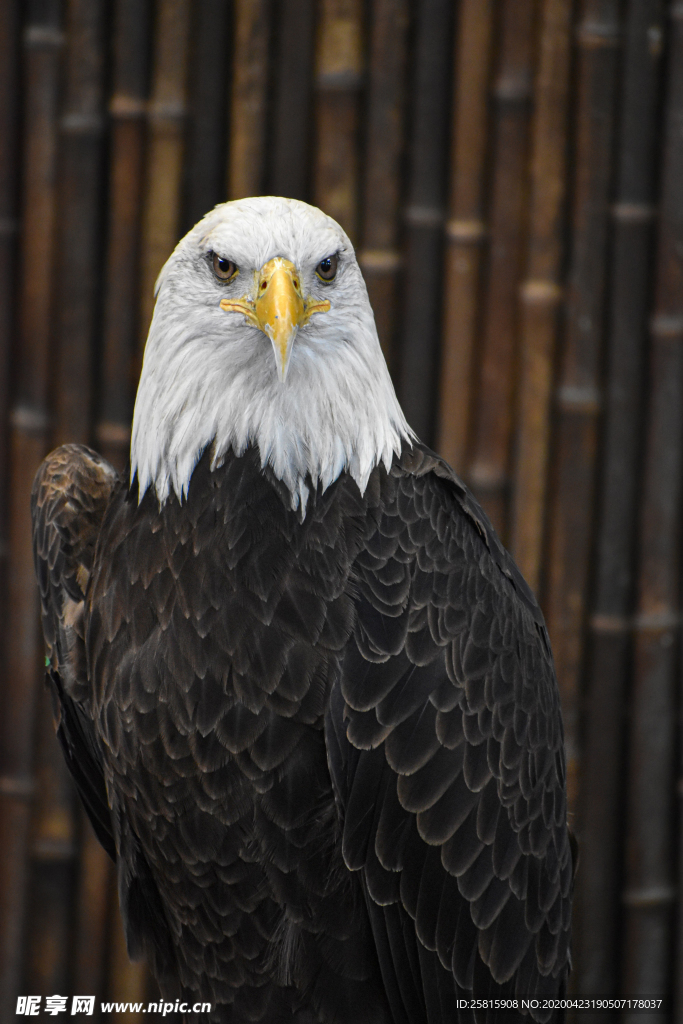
(263, 335)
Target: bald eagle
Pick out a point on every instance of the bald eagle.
(306, 696)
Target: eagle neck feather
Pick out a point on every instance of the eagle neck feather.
(336, 412)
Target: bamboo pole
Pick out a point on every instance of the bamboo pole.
(424, 215)
(649, 876)
(92, 915)
(166, 146)
(78, 273)
(579, 395)
(541, 292)
(53, 845)
(288, 167)
(384, 142)
(127, 107)
(205, 162)
(10, 24)
(489, 468)
(52, 868)
(465, 229)
(9, 229)
(338, 79)
(249, 107)
(28, 426)
(610, 651)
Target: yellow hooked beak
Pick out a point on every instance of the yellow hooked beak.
(279, 309)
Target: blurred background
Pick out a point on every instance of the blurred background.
(511, 173)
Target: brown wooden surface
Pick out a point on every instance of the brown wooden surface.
(127, 105)
(379, 257)
(53, 849)
(57, 886)
(288, 171)
(489, 465)
(610, 650)
(579, 398)
(52, 865)
(541, 291)
(28, 422)
(338, 78)
(80, 182)
(649, 892)
(249, 104)
(9, 234)
(166, 146)
(208, 91)
(14, 792)
(92, 915)
(422, 291)
(465, 228)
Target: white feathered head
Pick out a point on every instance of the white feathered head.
(263, 335)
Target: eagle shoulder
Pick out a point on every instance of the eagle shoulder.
(70, 494)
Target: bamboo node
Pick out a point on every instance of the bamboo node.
(29, 420)
(572, 398)
(53, 849)
(124, 106)
(469, 232)
(339, 81)
(167, 113)
(340, 46)
(487, 478)
(593, 34)
(20, 787)
(8, 227)
(512, 89)
(634, 213)
(649, 896)
(380, 260)
(610, 624)
(541, 293)
(43, 37)
(657, 621)
(82, 124)
(667, 327)
(424, 216)
(109, 432)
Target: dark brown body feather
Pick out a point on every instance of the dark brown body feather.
(332, 750)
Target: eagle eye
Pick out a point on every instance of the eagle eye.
(327, 268)
(224, 269)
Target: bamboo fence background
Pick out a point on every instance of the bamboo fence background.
(511, 172)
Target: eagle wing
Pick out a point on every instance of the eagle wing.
(445, 747)
(70, 494)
